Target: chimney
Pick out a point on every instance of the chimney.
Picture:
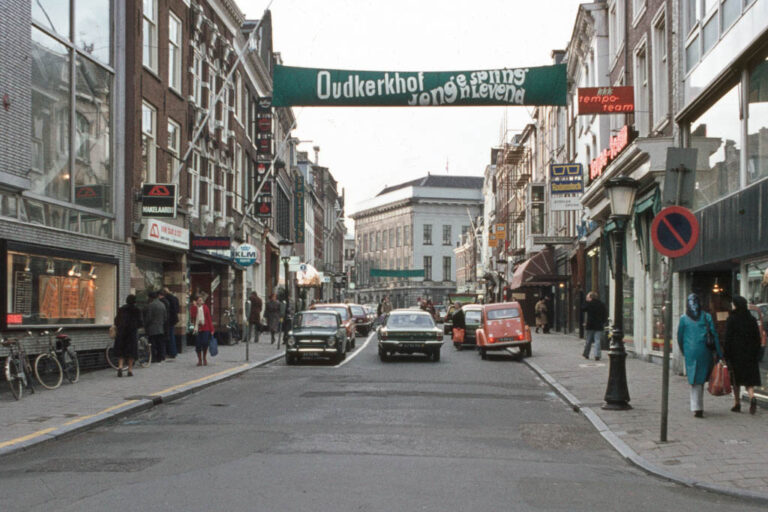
(317, 154)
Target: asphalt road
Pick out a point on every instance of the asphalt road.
(409, 435)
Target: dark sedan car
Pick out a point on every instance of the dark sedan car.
(319, 333)
(362, 321)
(407, 331)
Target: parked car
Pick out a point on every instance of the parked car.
(441, 311)
(347, 318)
(408, 331)
(473, 318)
(362, 321)
(502, 327)
(762, 323)
(317, 332)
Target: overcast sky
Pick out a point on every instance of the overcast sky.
(367, 148)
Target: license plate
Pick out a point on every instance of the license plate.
(412, 345)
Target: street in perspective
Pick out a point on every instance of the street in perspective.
(517, 261)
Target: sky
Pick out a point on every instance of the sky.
(368, 148)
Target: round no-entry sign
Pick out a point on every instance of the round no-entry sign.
(674, 231)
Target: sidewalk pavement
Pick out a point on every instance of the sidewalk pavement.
(100, 396)
(724, 452)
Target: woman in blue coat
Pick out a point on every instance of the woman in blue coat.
(692, 339)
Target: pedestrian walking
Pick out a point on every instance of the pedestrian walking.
(597, 315)
(386, 305)
(541, 315)
(692, 332)
(254, 316)
(380, 308)
(173, 318)
(741, 345)
(128, 321)
(272, 316)
(203, 330)
(155, 325)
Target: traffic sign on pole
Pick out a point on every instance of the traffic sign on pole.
(674, 231)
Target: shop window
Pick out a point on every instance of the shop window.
(757, 282)
(757, 123)
(659, 275)
(717, 134)
(50, 290)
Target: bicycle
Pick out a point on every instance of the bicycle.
(18, 371)
(144, 353)
(235, 331)
(59, 361)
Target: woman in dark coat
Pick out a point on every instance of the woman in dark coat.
(127, 321)
(272, 316)
(742, 346)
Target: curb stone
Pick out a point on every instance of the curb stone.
(630, 455)
(140, 405)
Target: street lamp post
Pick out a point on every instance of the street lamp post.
(621, 193)
(285, 255)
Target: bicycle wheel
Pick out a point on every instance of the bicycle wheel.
(70, 365)
(13, 376)
(48, 371)
(145, 352)
(109, 354)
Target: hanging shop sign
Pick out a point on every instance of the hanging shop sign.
(158, 200)
(552, 240)
(298, 210)
(264, 126)
(246, 255)
(500, 231)
(160, 232)
(293, 86)
(561, 171)
(263, 206)
(618, 143)
(606, 100)
(564, 203)
(219, 246)
(559, 187)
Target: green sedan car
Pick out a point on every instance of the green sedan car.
(317, 333)
(408, 331)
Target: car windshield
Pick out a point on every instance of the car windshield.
(406, 320)
(498, 314)
(357, 310)
(340, 310)
(472, 317)
(318, 320)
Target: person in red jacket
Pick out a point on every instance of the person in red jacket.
(203, 329)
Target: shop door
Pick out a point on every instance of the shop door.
(201, 281)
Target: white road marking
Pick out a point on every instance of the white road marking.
(353, 354)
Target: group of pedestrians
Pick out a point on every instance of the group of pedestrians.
(275, 318)
(159, 320)
(701, 347)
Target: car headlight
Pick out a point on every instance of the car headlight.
(291, 341)
(332, 341)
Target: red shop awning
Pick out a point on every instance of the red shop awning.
(538, 270)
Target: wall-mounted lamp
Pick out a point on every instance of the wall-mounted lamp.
(50, 268)
(92, 273)
(26, 264)
(717, 289)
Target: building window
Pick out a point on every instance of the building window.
(46, 289)
(193, 184)
(283, 213)
(446, 234)
(239, 177)
(384, 239)
(398, 235)
(406, 235)
(447, 268)
(391, 238)
(757, 123)
(174, 52)
(149, 13)
(148, 143)
(427, 234)
(660, 74)
(174, 146)
(197, 78)
(615, 27)
(641, 90)
(717, 133)
(428, 268)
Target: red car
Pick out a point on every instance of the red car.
(503, 326)
(362, 321)
(347, 318)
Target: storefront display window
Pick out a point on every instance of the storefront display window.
(757, 123)
(717, 136)
(757, 282)
(631, 262)
(51, 290)
(659, 274)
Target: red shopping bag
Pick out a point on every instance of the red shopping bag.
(719, 380)
(458, 335)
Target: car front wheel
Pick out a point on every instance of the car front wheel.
(383, 355)
(482, 353)
(436, 355)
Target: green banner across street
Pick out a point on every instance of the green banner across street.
(545, 85)
(380, 272)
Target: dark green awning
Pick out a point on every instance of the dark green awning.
(381, 272)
